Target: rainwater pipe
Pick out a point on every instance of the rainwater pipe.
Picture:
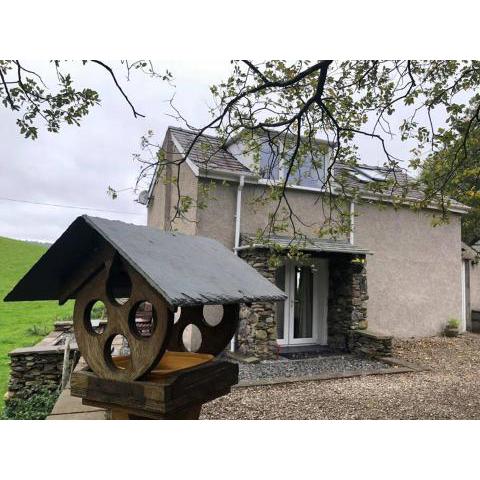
(352, 222)
(238, 214)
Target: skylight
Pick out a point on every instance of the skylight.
(369, 174)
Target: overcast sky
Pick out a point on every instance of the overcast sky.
(76, 166)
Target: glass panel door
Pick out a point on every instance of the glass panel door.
(303, 302)
(280, 306)
(302, 318)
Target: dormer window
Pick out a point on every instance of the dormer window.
(269, 162)
(268, 156)
(309, 169)
(309, 173)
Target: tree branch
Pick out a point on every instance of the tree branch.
(106, 67)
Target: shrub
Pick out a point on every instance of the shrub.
(98, 311)
(39, 331)
(453, 323)
(36, 407)
(66, 317)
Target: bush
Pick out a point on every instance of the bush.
(39, 331)
(98, 311)
(453, 323)
(36, 407)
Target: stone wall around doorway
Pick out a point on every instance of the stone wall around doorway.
(347, 305)
(347, 298)
(257, 331)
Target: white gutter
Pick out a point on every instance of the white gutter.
(238, 213)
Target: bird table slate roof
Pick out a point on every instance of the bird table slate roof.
(184, 269)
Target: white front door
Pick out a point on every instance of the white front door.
(302, 318)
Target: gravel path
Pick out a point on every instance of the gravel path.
(450, 390)
(306, 367)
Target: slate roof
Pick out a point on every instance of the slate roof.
(469, 252)
(324, 245)
(476, 246)
(208, 152)
(184, 269)
(348, 177)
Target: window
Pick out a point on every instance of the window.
(369, 174)
(269, 160)
(308, 173)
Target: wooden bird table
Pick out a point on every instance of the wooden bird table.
(171, 301)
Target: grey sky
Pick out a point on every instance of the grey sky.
(76, 166)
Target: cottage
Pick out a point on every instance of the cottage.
(411, 274)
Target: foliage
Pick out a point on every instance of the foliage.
(38, 331)
(35, 407)
(16, 258)
(453, 323)
(29, 96)
(455, 171)
(24, 91)
(64, 317)
(98, 311)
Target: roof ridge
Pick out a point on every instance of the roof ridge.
(193, 132)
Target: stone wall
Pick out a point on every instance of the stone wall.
(35, 368)
(40, 367)
(347, 298)
(257, 332)
(369, 343)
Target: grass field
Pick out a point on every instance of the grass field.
(21, 323)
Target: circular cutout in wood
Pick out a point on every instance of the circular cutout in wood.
(143, 319)
(192, 338)
(213, 314)
(117, 353)
(95, 317)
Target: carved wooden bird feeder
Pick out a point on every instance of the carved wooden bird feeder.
(170, 306)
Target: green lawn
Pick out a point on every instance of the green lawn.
(21, 322)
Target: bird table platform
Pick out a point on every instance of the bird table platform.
(169, 306)
(175, 389)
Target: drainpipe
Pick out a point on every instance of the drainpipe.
(352, 223)
(238, 214)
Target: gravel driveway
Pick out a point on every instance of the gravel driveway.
(450, 390)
